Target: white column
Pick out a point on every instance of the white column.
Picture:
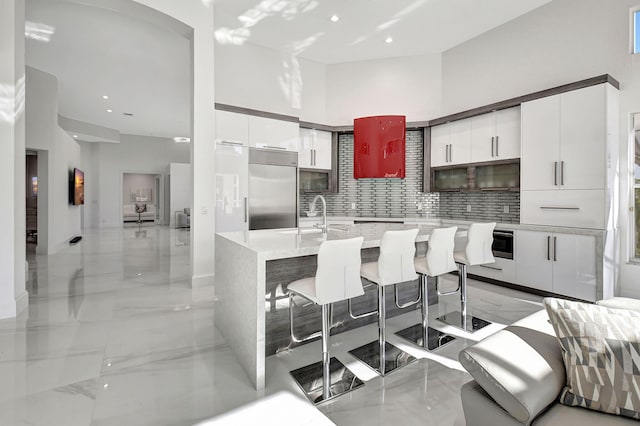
(13, 297)
(198, 14)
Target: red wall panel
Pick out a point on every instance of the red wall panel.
(379, 146)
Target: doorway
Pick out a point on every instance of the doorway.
(143, 198)
(31, 199)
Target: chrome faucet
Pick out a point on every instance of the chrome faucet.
(312, 207)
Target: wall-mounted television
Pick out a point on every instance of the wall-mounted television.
(76, 187)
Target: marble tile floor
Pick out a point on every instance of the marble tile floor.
(114, 335)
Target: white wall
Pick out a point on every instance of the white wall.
(13, 297)
(260, 78)
(561, 42)
(408, 86)
(105, 164)
(179, 188)
(63, 154)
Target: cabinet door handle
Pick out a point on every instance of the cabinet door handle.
(491, 267)
(555, 172)
(446, 153)
(246, 208)
(231, 143)
(275, 147)
(559, 208)
(562, 173)
(548, 247)
(555, 257)
(492, 142)
(497, 146)
(450, 153)
(311, 156)
(315, 157)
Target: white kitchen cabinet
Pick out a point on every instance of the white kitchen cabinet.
(564, 141)
(315, 149)
(560, 263)
(440, 145)
(232, 187)
(501, 270)
(451, 143)
(460, 141)
(232, 127)
(570, 208)
(269, 133)
(496, 135)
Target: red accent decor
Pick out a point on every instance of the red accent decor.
(379, 146)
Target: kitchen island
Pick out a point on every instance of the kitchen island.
(253, 269)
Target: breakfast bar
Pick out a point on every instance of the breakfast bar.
(253, 269)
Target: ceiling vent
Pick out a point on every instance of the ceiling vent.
(128, 114)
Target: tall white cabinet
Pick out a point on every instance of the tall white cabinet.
(567, 146)
(236, 133)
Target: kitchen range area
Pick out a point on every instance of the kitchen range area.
(552, 204)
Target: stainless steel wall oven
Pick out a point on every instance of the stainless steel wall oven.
(502, 244)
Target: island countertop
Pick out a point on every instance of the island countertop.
(283, 243)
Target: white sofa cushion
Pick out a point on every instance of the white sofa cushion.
(520, 367)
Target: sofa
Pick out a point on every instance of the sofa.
(519, 374)
(130, 215)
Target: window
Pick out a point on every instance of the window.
(635, 30)
(636, 185)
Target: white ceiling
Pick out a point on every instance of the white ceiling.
(416, 26)
(144, 68)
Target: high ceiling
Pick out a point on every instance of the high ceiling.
(144, 68)
(416, 26)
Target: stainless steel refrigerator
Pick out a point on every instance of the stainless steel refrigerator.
(273, 189)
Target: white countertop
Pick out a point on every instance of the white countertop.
(458, 222)
(282, 243)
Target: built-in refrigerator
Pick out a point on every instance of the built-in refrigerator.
(273, 189)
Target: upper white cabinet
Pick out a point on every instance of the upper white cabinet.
(564, 140)
(315, 149)
(440, 145)
(560, 263)
(496, 135)
(232, 127)
(273, 134)
(451, 143)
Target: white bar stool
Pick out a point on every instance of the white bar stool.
(337, 278)
(477, 252)
(394, 266)
(438, 261)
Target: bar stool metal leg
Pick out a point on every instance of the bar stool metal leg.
(461, 319)
(335, 378)
(381, 355)
(421, 334)
(326, 359)
(382, 331)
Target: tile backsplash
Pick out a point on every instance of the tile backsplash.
(395, 198)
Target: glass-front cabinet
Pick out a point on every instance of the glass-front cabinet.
(492, 176)
(450, 179)
(498, 176)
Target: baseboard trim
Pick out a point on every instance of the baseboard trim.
(202, 280)
(12, 308)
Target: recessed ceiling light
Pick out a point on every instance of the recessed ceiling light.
(181, 139)
(109, 110)
(334, 18)
(105, 97)
(75, 136)
(388, 40)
